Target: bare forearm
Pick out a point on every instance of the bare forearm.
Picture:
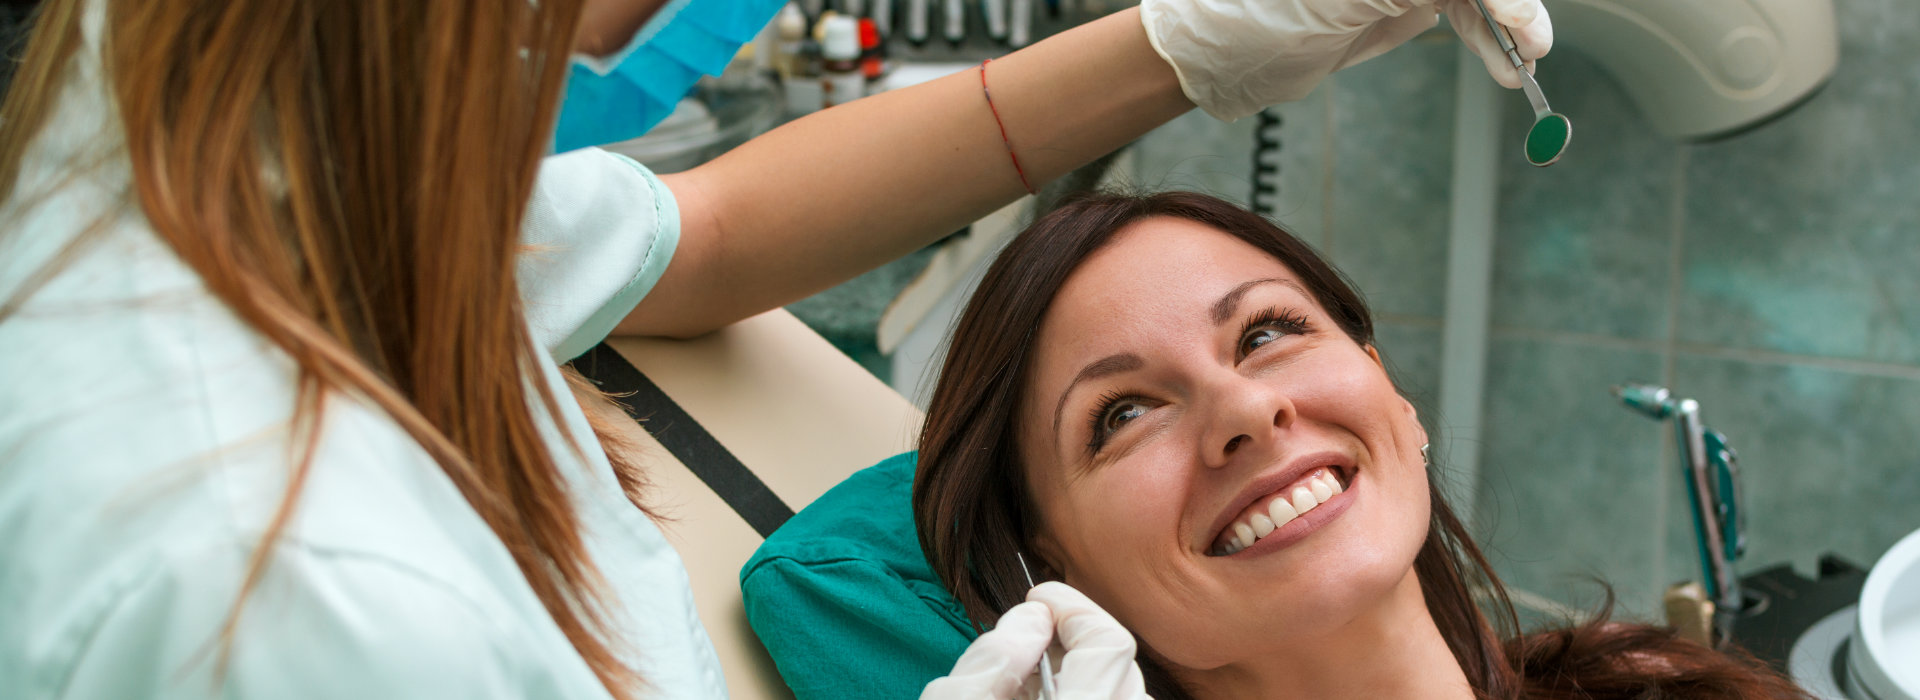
(841, 191)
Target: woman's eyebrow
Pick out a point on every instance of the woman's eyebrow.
(1126, 361)
(1105, 366)
(1224, 308)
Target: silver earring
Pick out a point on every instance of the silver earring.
(1424, 460)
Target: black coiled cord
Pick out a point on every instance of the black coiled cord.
(1266, 168)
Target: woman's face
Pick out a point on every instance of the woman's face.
(1185, 388)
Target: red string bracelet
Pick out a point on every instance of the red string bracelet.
(1003, 129)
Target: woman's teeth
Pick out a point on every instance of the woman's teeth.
(1281, 509)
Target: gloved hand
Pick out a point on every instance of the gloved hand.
(1235, 57)
(1003, 664)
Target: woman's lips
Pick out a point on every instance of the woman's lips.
(1286, 515)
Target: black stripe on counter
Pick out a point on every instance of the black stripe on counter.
(685, 438)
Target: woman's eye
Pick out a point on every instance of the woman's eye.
(1268, 326)
(1113, 412)
(1120, 414)
(1258, 337)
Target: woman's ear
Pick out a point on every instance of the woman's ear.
(1406, 405)
(1414, 415)
(1042, 552)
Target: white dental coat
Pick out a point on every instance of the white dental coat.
(144, 449)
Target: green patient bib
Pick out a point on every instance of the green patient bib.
(844, 599)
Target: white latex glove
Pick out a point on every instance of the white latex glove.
(1003, 664)
(1235, 57)
(1526, 20)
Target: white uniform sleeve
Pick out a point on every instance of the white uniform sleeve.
(600, 230)
(317, 626)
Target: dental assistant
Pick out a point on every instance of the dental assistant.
(285, 288)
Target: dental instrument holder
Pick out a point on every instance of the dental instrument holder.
(1712, 475)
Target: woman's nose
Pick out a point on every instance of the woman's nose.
(1246, 415)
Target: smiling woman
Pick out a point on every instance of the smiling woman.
(1178, 409)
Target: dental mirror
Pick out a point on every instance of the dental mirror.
(1551, 131)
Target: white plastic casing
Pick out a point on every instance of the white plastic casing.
(1702, 68)
(1884, 658)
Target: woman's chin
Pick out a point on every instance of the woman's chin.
(1292, 616)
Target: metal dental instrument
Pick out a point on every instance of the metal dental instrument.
(1713, 489)
(996, 12)
(1019, 23)
(1551, 131)
(883, 17)
(955, 26)
(917, 20)
(1046, 659)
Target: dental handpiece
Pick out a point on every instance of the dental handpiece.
(1712, 479)
(1047, 691)
(1711, 508)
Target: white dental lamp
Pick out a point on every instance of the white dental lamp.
(1705, 68)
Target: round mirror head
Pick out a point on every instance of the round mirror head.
(1548, 139)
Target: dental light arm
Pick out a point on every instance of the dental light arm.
(1703, 68)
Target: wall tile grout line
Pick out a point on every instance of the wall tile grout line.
(1676, 280)
(1577, 338)
(1428, 322)
(1327, 156)
(1885, 370)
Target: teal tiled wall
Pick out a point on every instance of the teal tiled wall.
(1774, 276)
(1771, 275)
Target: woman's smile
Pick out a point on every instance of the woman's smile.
(1275, 518)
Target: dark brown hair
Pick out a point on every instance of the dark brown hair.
(973, 512)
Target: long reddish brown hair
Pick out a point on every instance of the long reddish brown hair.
(973, 512)
(349, 178)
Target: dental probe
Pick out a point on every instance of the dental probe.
(1046, 658)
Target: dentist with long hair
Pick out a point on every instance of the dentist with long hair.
(285, 288)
